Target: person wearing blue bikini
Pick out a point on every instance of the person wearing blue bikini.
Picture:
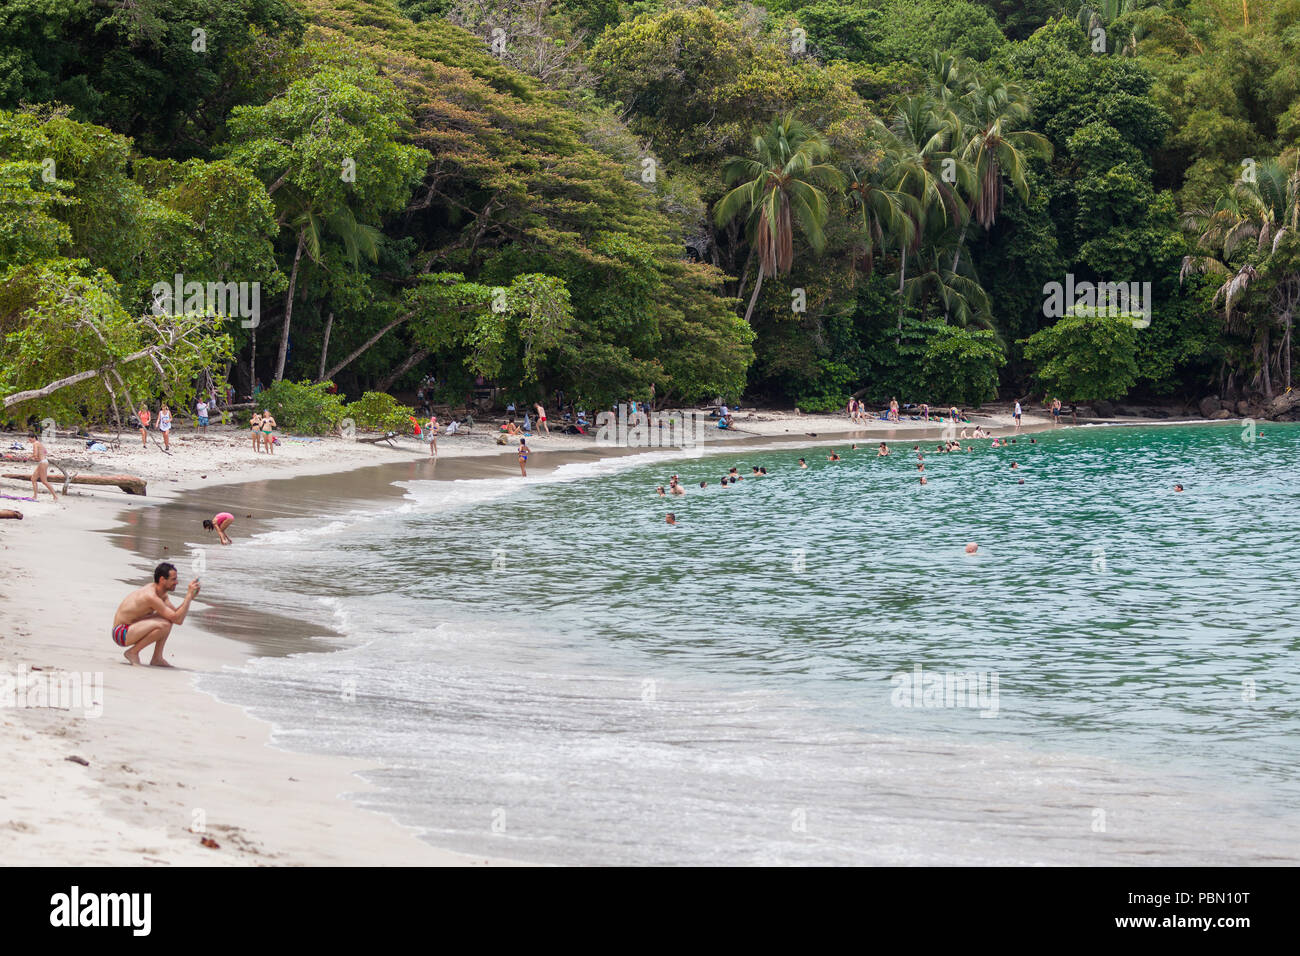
(523, 457)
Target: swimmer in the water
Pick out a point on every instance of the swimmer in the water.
(1178, 487)
(923, 481)
(672, 518)
(704, 484)
(660, 491)
(972, 547)
(1014, 465)
(882, 451)
(763, 470)
(833, 457)
(802, 463)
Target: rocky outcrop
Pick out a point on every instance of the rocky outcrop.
(1209, 405)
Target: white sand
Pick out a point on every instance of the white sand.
(163, 755)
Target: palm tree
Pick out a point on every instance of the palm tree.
(922, 165)
(888, 216)
(311, 227)
(1265, 209)
(992, 113)
(780, 187)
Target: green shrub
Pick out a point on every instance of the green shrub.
(961, 365)
(379, 411)
(302, 407)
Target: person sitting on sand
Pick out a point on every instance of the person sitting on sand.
(511, 429)
(146, 616)
(41, 473)
(882, 451)
(964, 433)
(219, 523)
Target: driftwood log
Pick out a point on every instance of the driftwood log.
(128, 483)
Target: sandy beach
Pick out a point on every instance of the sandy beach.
(142, 768)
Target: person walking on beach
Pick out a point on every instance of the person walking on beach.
(1015, 413)
(256, 424)
(268, 426)
(146, 617)
(1056, 411)
(165, 426)
(541, 418)
(42, 470)
(201, 410)
(432, 427)
(523, 457)
(219, 523)
(145, 417)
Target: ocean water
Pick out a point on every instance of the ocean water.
(544, 670)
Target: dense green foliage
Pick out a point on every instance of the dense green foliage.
(803, 200)
(303, 407)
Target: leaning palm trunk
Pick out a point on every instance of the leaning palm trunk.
(754, 298)
(288, 307)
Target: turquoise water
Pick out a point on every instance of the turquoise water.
(546, 670)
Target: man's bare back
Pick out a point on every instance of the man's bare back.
(146, 616)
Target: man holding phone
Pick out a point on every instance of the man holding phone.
(146, 616)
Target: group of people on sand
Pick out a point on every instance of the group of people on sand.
(144, 418)
(859, 413)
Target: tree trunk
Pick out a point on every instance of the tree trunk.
(754, 298)
(744, 276)
(288, 307)
(54, 386)
(902, 274)
(325, 347)
(419, 355)
(366, 345)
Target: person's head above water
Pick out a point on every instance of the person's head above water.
(1178, 487)
(672, 518)
(972, 547)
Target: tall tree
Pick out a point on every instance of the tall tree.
(782, 185)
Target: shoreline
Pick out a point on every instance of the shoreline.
(213, 763)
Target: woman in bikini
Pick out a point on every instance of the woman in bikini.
(432, 427)
(219, 523)
(256, 424)
(165, 425)
(145, 417)
(42, 472)
(268, 426)
(523, 457)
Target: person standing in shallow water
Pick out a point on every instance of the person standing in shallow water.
(523, 457)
